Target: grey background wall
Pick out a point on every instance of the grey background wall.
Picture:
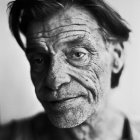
(17, 98)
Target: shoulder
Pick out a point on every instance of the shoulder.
(30, 128)
(131, 129)
(135, 128)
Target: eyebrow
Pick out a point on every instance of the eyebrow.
(35, 49)
(75, 41)
(79, 41)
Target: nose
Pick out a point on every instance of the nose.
(57, 75)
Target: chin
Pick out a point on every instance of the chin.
(66, 122)
(70, 118)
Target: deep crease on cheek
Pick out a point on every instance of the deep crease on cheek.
(88, 81)
(95, 78)
(98, 67)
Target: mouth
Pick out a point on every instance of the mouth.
(64, 104)
(62, 100)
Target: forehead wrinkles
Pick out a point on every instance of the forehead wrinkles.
(62, 26)
(75, 24)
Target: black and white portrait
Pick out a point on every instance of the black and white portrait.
(69, 70)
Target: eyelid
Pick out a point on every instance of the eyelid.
(79, 49)
(71, 55)
(88, 47)
(73, 50)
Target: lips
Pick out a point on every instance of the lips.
(63, 104)
(62, 100)
(59, 96)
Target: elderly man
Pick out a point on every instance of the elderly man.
(76, 53)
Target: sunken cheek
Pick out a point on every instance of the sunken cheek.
(37, 78)
(97, 70)
(38, 73)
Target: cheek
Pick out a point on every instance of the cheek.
(37, 79)
(103, 71)
(89, 80)
(95, 77)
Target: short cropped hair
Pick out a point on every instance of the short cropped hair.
(22, 12)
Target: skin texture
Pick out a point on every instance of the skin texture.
(71, 68)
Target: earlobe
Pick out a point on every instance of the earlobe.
(118, 57)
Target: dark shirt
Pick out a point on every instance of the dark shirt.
(39, 128)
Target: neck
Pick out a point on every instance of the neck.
(107, 126)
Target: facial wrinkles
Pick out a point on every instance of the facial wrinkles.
(60, 34)
(56, 70)
(67, 22)
(73, 89)
(63, 28)
(89, 75)
(62, 25)
(72, 16)
(88, 79)
(64, 34)
(86, 39)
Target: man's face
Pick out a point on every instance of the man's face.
(70, 66)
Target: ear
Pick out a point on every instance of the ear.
(118, 55)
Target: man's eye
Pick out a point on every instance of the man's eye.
(38, 60)
(37, 63)
(77, 55)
